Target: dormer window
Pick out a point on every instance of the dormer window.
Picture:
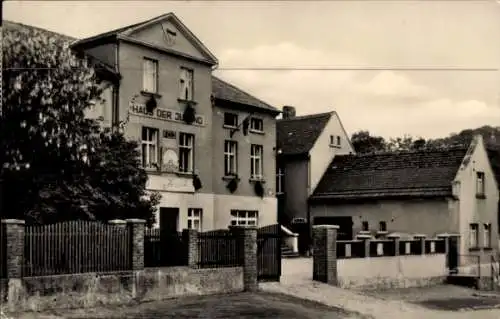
(230, 120)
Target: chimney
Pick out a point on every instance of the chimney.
(288, 112)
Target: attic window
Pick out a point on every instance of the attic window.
(230, 120)
(186, 86)
(256, 125)
(480, 189)
(338, 140)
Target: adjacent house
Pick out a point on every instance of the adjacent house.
(426, 192)
(306, 145)
(208, 147)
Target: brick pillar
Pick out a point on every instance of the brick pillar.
(421, 237)
(250, 271)
(190, 237)
(325, 253)
(366, 240)
(395, 238)
(136, 228)
(14, 253)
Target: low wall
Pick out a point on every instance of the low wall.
(91, 289)
(392, 272)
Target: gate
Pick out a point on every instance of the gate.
(269, 253)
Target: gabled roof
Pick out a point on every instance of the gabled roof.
(297, 135)
(494, 157)
(103, 69)
(224, 91)
(126, 31)
(403, 174)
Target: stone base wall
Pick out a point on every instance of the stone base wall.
(389, 282)
(92, 289)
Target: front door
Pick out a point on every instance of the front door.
(169, 220)
(453, 255)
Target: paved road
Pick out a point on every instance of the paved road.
(297, 281)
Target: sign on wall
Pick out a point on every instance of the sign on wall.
(164, 114)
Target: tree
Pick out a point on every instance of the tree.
(363, 142)
(56, 163)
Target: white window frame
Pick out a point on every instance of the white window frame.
(279, 180)
(254, 127)
(195, 215)
(473, 235)
(186, 148)
(256, 161)
(480, 187)
(234, 116)
(230, 158)
(244, 218)
(186, 84)
(150, 75)
(487, 235)
(151, 142)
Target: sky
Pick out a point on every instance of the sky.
(390, 67)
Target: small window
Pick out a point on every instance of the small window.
(230, 158)
(186, 152)
(244, 218)
(194, 218)
(279, 180)
(257, 125)
(231, 120)
(150, 75)
(186, 84)
(149, 147)
(338, 140)
(332, 139)
(473, 236)
(487, 235)
(383, 226)
(480, 189)
(365, 226)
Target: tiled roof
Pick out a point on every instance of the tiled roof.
(418, 173)
(297, 135)
(223, 90)
(494, 157)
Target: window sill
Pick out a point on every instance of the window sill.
(257, 132)
(187, 101)
(184, 174)
(474, 249)
(480, 196)
(146, 93)
(229, 127)
(257, 179)
(230, 177)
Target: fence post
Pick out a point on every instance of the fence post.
(395, 238)
(366, 241)
(250, 271)
(421, 237)
(14, 253)
(136, 228)
(325, 253)
(190, 236)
